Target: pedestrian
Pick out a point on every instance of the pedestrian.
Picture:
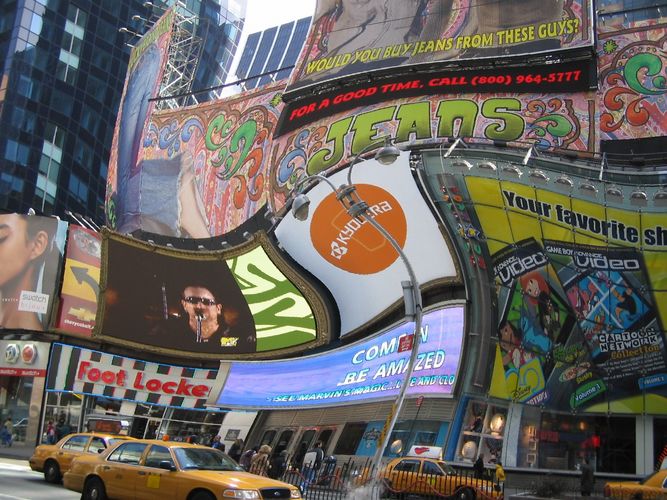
(312, 462)
(278, 465)
(587, 478)
(165, 437)
(259, 464)
(50, 433)
(62, 428)
(500, 476)
(246, 458)
(478, 467)
(8, 431)
(218, 444)
(236, 449)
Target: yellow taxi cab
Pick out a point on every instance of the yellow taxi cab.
(653, 486)
(422, 473)
(152, 469)
(55, 459)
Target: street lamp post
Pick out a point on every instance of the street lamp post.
(357, 208)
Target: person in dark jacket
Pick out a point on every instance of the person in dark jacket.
(278, 465)
(478, 467)
(587, 478)
(236, 449)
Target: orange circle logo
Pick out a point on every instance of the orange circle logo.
(353, 245)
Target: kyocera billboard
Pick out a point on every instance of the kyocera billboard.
(207, 304)
(348, 38)
(356, 263)
(373, 369)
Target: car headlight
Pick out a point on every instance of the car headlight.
(295, 494)
(244, 494)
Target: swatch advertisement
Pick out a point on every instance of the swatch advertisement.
(33, 248)
(370, 370)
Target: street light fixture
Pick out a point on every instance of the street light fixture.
(357, 208)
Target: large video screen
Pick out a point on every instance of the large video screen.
(348, 38)
(32, 249)
(373, 369)
(207, 303)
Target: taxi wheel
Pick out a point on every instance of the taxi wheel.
(201, 495)
(94, 490)
(465, 494)
(51, 472)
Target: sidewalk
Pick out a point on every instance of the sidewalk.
(18, 451)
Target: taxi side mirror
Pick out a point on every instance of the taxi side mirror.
(100, 450)
(167, 465)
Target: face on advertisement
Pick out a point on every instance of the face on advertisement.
(203, 311)
(24, 241)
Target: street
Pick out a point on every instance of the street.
(20, 483)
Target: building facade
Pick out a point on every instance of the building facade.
(273, 49)
(63, 72)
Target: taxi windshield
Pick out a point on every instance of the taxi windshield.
(204, 459)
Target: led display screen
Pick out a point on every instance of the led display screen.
(207, 303)
(369, 370)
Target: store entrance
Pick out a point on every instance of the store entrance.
(145, 428)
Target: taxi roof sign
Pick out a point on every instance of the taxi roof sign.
(426, 451)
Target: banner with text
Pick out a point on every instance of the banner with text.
(373, 369)
(352, 38)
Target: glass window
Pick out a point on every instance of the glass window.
(350, 438)
(127, 453)
(96, 444)
(76, 443)
(432, 469)
(268, 437)
(283, 441)
(407, 466)
(156, 455)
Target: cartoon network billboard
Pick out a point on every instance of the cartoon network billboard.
(373, 369)
(355, 262)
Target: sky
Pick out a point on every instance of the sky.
(263, 14)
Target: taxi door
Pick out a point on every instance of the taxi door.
(404, 476)
(152, 482)
(72, 448)
(120, 470)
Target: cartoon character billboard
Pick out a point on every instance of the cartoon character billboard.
(148, 60)
(580, 295)
(348, 38)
